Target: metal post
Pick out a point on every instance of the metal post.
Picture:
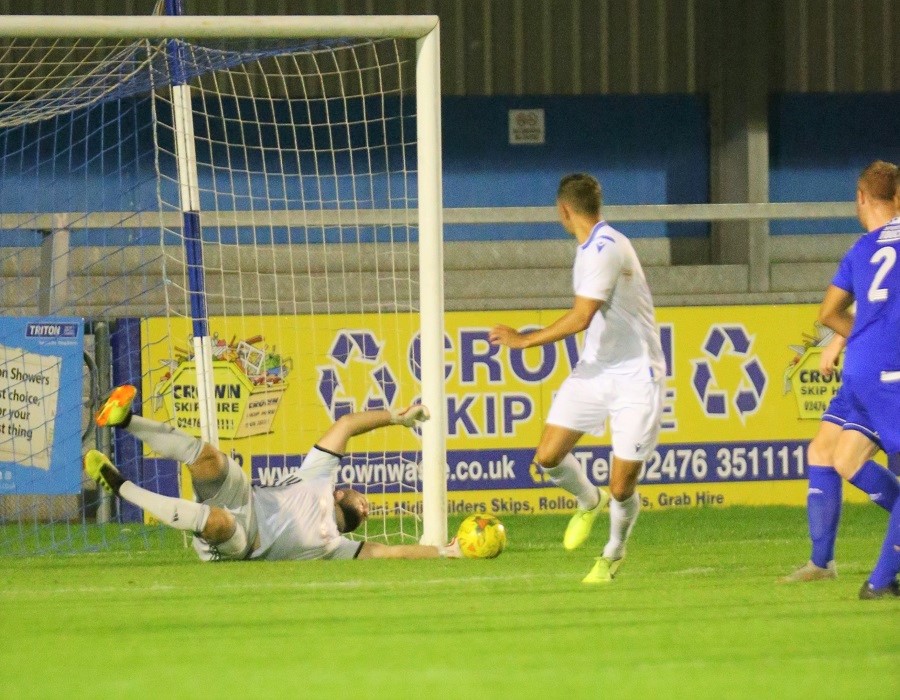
(54, 281)
(757, 144)
(431, 301)
(739, 157)
(103, 360)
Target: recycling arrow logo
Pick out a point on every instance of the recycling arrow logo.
(351, 352)
(728, 341)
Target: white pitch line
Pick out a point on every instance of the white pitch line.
(262, 586)
(695, 570)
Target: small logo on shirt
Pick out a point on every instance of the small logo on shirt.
(603, 240)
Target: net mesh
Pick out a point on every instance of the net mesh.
(306, 261)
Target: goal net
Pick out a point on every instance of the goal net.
(238, 226)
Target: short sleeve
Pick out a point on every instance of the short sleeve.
(320, 464)
(601, 266)
(345, 549)
(843, 278)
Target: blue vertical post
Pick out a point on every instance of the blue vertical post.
(125, 342)
(189, 191)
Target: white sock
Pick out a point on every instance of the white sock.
(165, 440)
(622, 517)
(235, 546)
(569, 475)
(174, 512)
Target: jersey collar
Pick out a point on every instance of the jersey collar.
(599, 225)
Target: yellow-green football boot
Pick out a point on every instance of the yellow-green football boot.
(101, 470)
(604, 570)
(579, 527)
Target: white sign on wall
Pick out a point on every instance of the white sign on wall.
(41, 404)
(526, 127)
(30, 387)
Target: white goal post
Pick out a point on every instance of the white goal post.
(426, 32)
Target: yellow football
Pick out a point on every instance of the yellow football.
(481, 537)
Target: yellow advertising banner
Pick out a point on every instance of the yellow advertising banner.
(743, 395)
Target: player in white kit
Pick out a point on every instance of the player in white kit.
(619, 374)
(303, 516)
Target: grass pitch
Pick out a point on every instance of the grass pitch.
(694, 613)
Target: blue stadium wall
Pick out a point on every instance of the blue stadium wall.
(645, 150)
(819, 143)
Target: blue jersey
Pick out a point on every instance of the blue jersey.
(870, 271)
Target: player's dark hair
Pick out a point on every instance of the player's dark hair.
(350, 509)
(582, 192)
(879, 180)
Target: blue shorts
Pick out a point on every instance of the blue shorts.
(877, 403)
(842, 411)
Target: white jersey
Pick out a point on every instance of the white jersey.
(622, 337)
(296, 516)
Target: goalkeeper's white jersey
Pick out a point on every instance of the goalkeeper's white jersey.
(295, 517)
(622, 337)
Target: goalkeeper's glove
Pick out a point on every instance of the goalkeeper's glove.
(410, 416)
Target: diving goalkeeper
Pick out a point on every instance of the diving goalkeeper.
(303, 516)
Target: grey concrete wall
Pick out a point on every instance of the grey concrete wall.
(478, 275)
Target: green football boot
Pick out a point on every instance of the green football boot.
(604, 570)
(101, 470)
(579, 527)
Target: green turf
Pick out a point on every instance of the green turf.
(695, 613)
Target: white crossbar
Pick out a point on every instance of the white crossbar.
(211, 27)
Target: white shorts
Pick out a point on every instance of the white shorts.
(234, 496)
(633, 405)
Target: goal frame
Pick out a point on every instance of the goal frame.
(425, 29)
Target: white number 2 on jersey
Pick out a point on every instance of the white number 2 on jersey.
(885, 258)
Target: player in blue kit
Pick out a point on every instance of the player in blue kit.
(825, 492)
(869, 274)
(875, 208)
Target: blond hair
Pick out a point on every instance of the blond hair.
(879, 180)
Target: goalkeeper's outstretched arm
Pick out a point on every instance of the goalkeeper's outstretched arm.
(376, 550)
(350, 425)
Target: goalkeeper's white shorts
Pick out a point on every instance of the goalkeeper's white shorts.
(632, 404)
(233, 496)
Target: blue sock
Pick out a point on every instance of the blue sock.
(888, 565)
(879, 483)
(894, 464)
(823, 512)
